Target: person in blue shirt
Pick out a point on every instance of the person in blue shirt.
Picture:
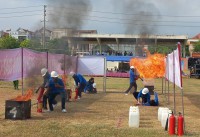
(155, 102)
(145, 96)
(132, 81)
(91, 86)
(56, 87)
(80, 82)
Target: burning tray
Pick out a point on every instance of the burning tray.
(17, 109)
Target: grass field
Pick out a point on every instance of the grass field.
(104, 114)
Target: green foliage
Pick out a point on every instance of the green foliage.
(58, 46)
(197, 47)
(9, 43)
(161, 49)
(25, 44)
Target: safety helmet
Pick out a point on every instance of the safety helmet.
(43, 71)
(145, 91)
(54, 74)
(94, 85)
(131, 67)
(71, 73)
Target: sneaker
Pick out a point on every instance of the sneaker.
(126, 94)
(79, 97)
(64, 110)
(54, 105)
(47, 111)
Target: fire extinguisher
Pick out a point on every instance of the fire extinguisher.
(180, 124)
(76, 93)
(172, 121)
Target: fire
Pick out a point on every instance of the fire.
(64, 78)
(151, 67)
(25, 97)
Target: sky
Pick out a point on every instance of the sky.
(161, 17)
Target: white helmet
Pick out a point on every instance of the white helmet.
(54, 74)
(71, 73)
(131, 67)
(43, 71)
(145, 91)
(94, 85)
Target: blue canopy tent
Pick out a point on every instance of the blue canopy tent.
(119, 58)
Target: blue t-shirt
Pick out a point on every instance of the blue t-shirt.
(54, 89)
(78, 78)
(132, 76)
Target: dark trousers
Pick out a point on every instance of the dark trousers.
(16, 84)
(81, 89)
(52, 97)
(133, 84)
(44, 101)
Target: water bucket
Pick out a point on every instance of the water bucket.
(134, 116)
(164, 117)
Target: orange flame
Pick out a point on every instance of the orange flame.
(64, 78)
(151, 67)
(25, 97)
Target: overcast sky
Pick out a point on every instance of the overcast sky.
(164, 17)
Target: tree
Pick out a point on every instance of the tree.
(58, 46)
(25, 44)
(9, 43)
(197, 47)
(161, 49)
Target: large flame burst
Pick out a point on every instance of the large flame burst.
(151, 67)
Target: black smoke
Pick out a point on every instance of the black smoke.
(141, 14)
(68, 13)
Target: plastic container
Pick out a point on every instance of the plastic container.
(160, 109)
(134, 116)
(164, 117)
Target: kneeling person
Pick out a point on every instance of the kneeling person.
(56, 87)
(91, 86)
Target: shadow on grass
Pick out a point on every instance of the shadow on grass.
(194, 99)
(74, 107)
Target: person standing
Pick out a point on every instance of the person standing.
(80, 82)
(132, 81)
(56, 87)
(16, 84)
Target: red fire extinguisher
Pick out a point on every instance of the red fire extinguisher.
(172, 121)
(180, 125)
(76, 93)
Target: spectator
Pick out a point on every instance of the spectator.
(125, 53)
(16, 84)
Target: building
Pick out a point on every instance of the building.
(39, 34)
(21, 34)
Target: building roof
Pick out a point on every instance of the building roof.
(196, 37)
